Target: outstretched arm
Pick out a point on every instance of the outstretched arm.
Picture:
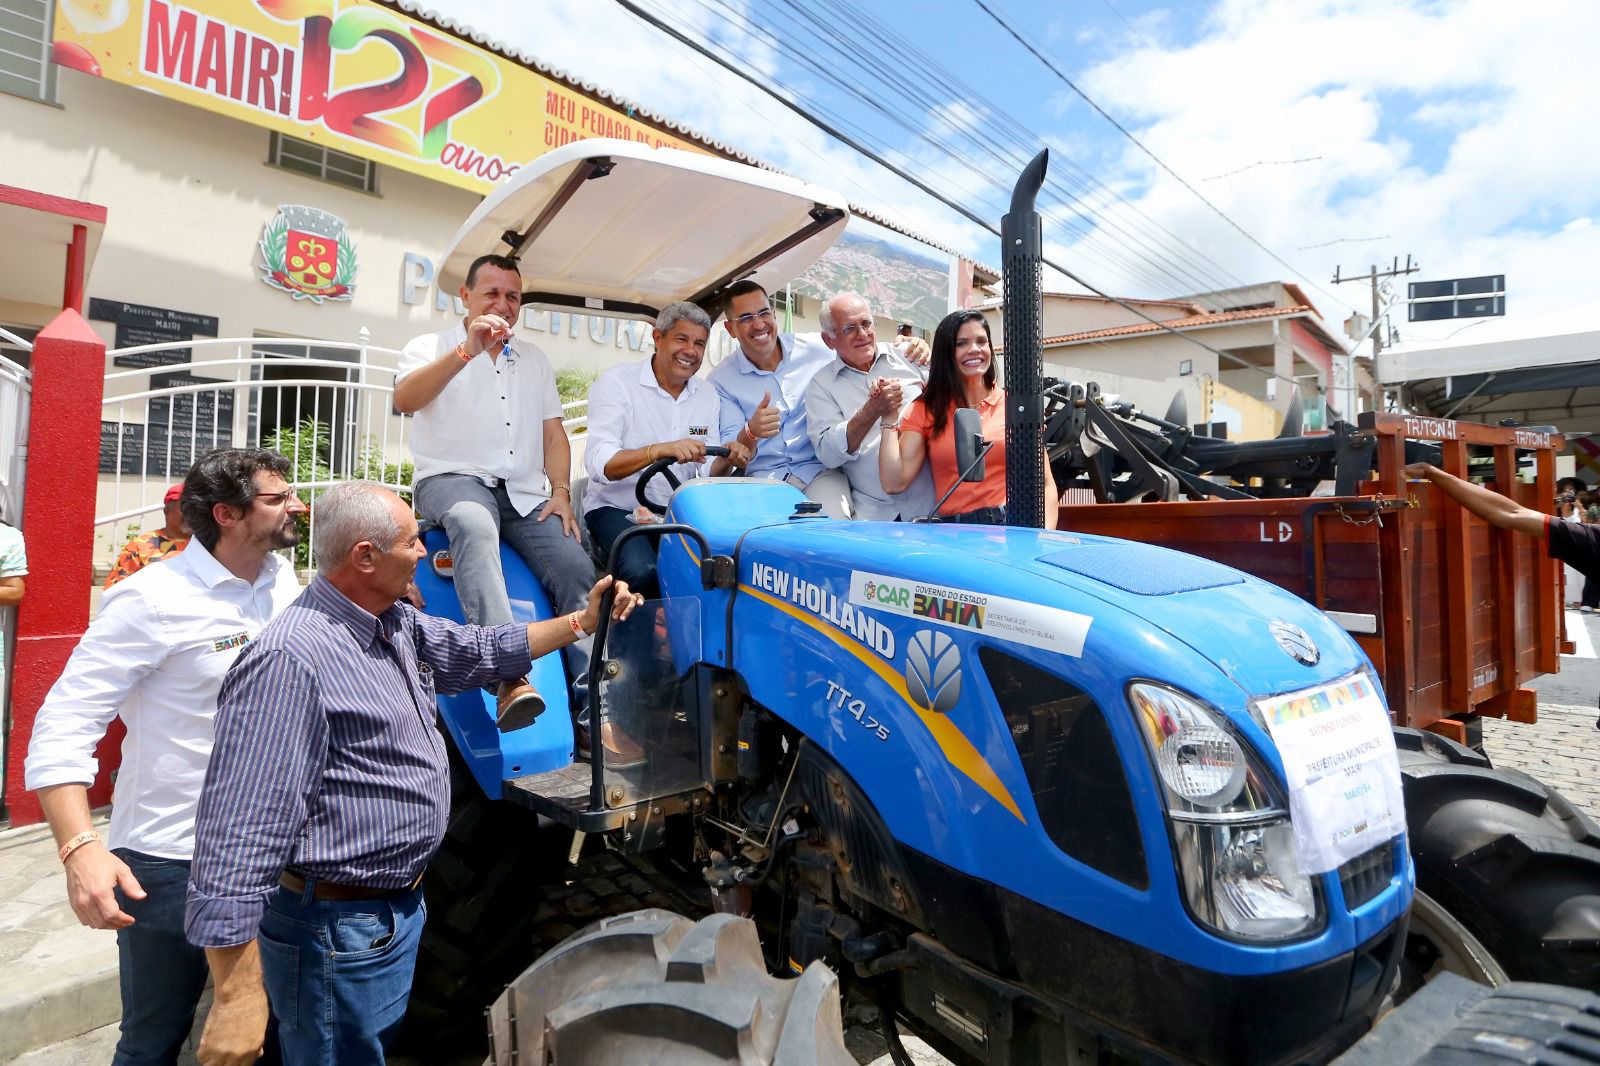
(1487, 504)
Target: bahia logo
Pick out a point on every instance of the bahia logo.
(933, 671)
(887, 594)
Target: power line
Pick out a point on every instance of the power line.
(1135, 266)
(1024, 141)
(1120, 128)
(833, 131)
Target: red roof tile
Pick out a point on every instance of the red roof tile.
(1199, 321)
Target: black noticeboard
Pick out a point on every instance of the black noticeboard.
(177, 429)
(139, 324)
(130, 460)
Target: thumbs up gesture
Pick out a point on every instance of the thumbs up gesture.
(765, 420)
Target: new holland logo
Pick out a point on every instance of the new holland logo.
(933, 671)
(307, 254)
(1295, 642)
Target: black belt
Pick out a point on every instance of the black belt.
(993, 516)
(328, 891)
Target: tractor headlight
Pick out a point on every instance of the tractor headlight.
(1230, 824)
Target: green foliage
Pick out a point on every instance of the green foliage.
(573, 383)
(309, 448)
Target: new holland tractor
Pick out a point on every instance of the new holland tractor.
(1043, 797)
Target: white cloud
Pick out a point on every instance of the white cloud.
(1461, 128)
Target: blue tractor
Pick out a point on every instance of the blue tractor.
(1042, 797)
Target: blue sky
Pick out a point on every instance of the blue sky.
(1335, 133)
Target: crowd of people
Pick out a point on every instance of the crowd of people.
(284, 783)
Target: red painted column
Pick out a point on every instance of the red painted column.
(72, 291)
(69, 363)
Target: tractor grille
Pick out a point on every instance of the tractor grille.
(1364, 876)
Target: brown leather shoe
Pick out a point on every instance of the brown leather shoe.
(620, 750)
(517, 705)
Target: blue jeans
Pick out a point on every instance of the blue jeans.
(476, 518)
(637, 564)
(161, 973)
(338, 974)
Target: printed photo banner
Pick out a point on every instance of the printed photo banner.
(352, 75)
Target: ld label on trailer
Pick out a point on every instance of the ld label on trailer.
(1015, 620)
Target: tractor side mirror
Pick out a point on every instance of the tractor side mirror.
(970, 452)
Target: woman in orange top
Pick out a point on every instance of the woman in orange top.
(961, 373)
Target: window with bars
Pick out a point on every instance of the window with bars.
(313, 160)
(25, 67)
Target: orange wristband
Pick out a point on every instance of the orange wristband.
(461, 350)
(576, 623)
(85, 837)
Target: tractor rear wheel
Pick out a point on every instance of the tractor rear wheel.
(1508, 858)
(653, 986)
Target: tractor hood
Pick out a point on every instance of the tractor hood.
(1055, 591)
(618, 228)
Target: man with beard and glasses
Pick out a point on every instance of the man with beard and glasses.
(155, 656)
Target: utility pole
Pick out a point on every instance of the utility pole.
(1375, 331)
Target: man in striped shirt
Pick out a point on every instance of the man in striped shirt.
(329, 788)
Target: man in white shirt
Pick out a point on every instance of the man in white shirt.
(493, 461)
(642, 412)
(156, 655)
(849, 398)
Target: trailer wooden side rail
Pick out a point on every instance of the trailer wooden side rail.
(1457, 616)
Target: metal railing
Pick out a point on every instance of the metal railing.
(326, 406)
(16, 386)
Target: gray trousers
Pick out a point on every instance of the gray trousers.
(476, 518)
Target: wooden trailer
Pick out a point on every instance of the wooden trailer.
(1457, 616)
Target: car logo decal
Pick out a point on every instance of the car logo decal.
(1295, 642)
(933, 671)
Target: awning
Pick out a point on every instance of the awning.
(51, 244)
(615, 227)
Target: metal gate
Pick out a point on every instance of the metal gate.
(15, 390)
(327, 406)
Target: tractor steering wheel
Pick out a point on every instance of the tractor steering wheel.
(663, 466)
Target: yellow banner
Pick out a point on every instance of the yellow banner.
(353, 75)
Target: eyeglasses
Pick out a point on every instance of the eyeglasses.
(276, 499)
(850, 329)
(763, 315)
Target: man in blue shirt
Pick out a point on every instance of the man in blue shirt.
(329, 787)
(763, 388)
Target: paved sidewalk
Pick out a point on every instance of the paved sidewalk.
(57, 978)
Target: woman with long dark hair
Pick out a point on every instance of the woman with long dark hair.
(961, 373)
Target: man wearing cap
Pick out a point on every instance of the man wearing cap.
(493, 462)
(155, 655)
(169, 539)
